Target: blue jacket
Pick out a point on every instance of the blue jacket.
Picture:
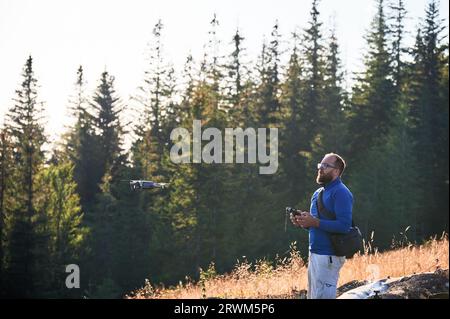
(338, 199)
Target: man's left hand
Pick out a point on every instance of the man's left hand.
(306, 220)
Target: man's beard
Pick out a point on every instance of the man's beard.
(323, 179)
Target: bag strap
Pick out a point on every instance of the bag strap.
(322, 210)
(321, 207)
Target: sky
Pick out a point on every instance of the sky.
(113, 35)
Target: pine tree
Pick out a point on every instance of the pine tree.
(334, 115)
(235, 69)
(156, 100)
(213, 65)
(102, 216)
(313, 120)
(373, 100)
(109, 128)
(24, 126)
(238, 84)
(292, 141)
(397, 45)
(80, 143)
(314, 75)
(267, 105)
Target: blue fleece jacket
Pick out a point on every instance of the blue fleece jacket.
(338, 199)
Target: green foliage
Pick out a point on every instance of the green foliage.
(58, 228)
(428, 113)
(59, 201)
(385, 188)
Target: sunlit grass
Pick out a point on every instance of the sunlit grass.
(287, 277)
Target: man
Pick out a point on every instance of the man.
(323, 265)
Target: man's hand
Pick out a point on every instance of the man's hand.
(303, 219)
(295, 219)
(306, 220)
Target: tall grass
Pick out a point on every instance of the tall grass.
(285, 278)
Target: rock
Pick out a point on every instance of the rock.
(368, 291)
(433, 285)
(350, 285)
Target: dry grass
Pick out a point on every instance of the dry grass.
(290, 275)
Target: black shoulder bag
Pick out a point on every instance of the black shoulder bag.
(343, 244)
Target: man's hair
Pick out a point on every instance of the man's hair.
(339, 161)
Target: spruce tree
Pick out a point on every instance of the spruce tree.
(24, 126)
(111, 160)
(398, 31)
(313, 120)
(156, 100)
(314, 74)
(334, 115)
(267, 104)
(80, 143)
(292, 140)
(373, 99)
(109, 128)
(238, 84)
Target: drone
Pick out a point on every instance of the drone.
(141, 184)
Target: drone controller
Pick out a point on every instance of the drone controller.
(293, 211)
(290, 210)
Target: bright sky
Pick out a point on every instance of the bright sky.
(114, 34)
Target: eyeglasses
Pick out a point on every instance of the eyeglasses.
(323, 166)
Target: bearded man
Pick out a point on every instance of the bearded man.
(323, 264)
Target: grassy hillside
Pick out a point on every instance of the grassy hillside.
(285, 278)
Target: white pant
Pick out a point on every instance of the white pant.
(323, 275)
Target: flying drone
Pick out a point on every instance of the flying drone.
(141, 184)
